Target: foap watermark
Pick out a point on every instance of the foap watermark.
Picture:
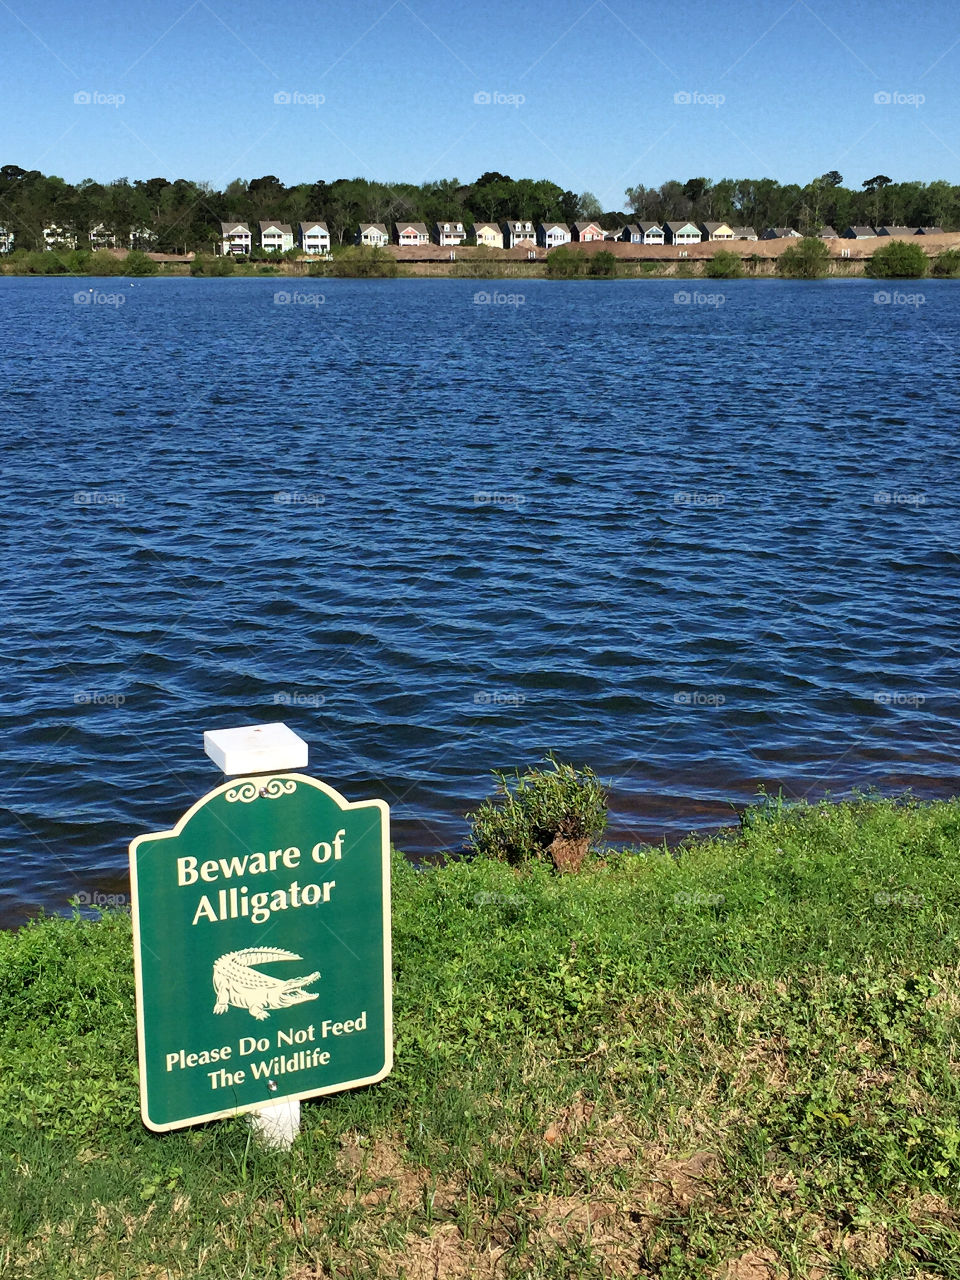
(298, 698)
(899, 698)
(696, 498)
(495, 299)
(294, 98)
(97, 498)
(298, 498)
(94, 98)
(894, 298)
(296, 299)
(93, 298)
(498, 900)
(691, 98)
(492, 498)
(688, 298)
(493, 98)
(103, 901)
(900, 898)
(697, 898)
(698, 698)
(97, 698)
(893, 98)
(897, 498)
(494, 698)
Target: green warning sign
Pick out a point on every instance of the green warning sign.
(261, 928)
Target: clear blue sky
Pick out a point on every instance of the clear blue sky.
(398, 82)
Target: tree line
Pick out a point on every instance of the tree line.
(181, 215)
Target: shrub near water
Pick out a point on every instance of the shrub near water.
(541, 815)
(900, 259)
(724, 265)
(807, 260)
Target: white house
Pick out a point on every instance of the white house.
(550, 235)
(489, 234)
(276, 235)
(314, 237)
(681, 233)
(412, 233)
(235, 237)
(449, 232)
(652, 232)
(518, 232)
(373, 234)
(6, 240)
(101, 238)
(58, 237)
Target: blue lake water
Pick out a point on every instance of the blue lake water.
(700, 545)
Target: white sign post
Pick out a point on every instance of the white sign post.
(262, 748)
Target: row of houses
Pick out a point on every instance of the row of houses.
(314, 237)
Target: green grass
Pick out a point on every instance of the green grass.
(743, 1051)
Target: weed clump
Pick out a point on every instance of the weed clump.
(542, 815)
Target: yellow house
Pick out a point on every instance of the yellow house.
(717, 231)
(489, 233)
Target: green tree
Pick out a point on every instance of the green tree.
(806, 260)
(899, 259)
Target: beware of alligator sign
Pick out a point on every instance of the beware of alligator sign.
(261, 930)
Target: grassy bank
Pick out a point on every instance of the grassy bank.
(740, 1061)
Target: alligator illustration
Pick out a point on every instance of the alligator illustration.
(237, 984)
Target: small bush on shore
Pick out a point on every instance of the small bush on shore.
(807, 260)
(541, 815)
(899, 260)
(137, 263)
(724, 265)
(947, 263)
(566, 264)
(603, 264)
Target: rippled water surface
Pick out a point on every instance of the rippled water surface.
(699, 545)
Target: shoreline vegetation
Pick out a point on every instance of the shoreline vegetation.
(808, 258)
(736, 1059)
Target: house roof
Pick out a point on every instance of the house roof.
(715, 226)
(419, 227)
(898, 231)
(283, 227)
(555, 226)
(929, 231)
(486, 226)
(373, 226)
(649, 226)
(228, 227)
(743, 232)
(583, 226)
(681, 226)
(313, 226)
(862, 231)
(827, 233)
(780, 232)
